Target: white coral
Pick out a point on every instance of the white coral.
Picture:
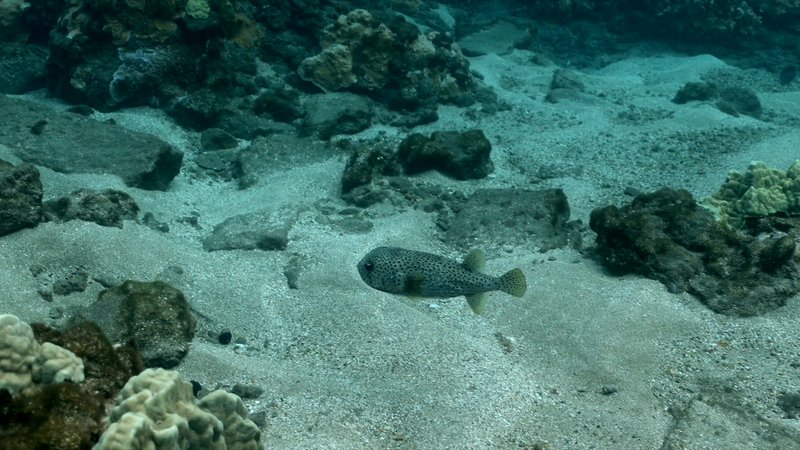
(157, 410)
(24, 363)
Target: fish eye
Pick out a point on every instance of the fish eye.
(369, 266)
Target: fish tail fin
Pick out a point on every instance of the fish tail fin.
(513, 282)
(477, 302)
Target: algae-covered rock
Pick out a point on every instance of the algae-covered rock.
(20, 197)
(666, 236)
(461, 155)
(154, 314)
(66, 415)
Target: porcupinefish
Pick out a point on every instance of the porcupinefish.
(420, 274)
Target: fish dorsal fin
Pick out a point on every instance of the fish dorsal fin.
(414, 284)
(475, 261)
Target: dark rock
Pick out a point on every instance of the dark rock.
(777, 252)
(22, 67)
(225, 337)
(197, 111)
(787, 75)
(196, 387)
(155, 315)
(216, 139)
(668, 237)
(75, 281)
(501, 39)
(389, 59)
(738, 100)
(150, 76)
(20, 198)
(246, 125)
(367, 161)
(513, 217)
(790, 404)
(75, 144)
(280, 103)
(83, 110)
(420, 116)
(608, 389)
(336, 113)
(264, 230)
(108, 208)
(461, 155)
(695, 91)
(68, 416)
(730, 100)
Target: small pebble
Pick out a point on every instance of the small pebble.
(56, 313)
(196, 388)
(247, 390)
(608, 389)
(225, 337)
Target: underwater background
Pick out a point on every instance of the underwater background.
(187, 188)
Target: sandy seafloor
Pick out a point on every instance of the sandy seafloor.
(347, 367)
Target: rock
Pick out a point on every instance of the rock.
(281, 103)
(565, 85)
(155, 315)
(738, 100)
(70, 416)
(501, 38)
(330, 70)
(695, 91)
(790, 404)
(20, 198)
(22, 67)
(365, 163)
(275, 153)
(216, 139)
(75, 281)
(197, 111)
(391, 61)
(246, 391)
(461, 155)
(71, 143)
(263, 230)
(107, 208)
(513, 217)
(246, 125)
(730, 100)
(218, 163)
(667, 236)
(336, 113)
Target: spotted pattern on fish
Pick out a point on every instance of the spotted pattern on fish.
(419, 274)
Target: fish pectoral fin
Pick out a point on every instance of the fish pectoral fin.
(477, 302)
(414, 284)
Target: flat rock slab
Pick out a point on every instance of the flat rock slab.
(512, 217)
(263, 230)
(501, 39)
(71, 143)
